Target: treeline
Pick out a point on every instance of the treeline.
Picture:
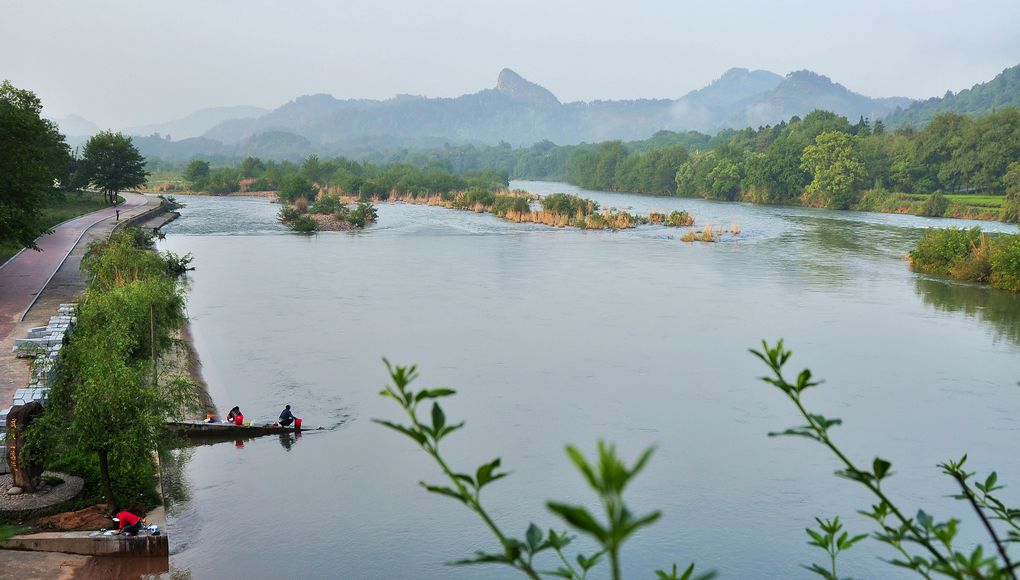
(821, 160)
(292, 181)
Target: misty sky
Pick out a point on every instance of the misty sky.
(130, 62)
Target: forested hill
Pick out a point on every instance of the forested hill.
(518, 112)
(981, 99)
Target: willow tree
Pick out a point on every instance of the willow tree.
(109, 402)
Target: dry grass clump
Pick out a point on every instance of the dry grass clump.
(705, 235)
(710, 234)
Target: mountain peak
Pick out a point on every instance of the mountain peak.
(518, 88)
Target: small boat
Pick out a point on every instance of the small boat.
(203, 430)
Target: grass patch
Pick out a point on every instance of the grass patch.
(990, 201)
(60, 207)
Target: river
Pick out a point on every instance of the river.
(557, 336)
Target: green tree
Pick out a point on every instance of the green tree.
(196, 173)
(111, 163)
(108, 401)
(32, 156)
(836, 168)
(1011, 205)
(252, 166)
(725, 180)
(294, 186)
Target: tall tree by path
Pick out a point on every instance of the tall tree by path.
(111, 163)
(33, 159)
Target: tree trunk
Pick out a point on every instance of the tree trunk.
(104, 473)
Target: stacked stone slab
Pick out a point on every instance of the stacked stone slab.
(42, 344)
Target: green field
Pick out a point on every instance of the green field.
(993, 201)
(59, 208)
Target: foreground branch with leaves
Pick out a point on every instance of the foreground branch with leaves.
(928, 548)
(608, 477)
(922, 544)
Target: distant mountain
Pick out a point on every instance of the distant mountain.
(982, 98)
(520, 112)
(77, 126)
(198, 122)
(804, 91)
(517, 88)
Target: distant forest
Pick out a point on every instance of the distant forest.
(822, 160)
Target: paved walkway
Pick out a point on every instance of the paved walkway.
(23, 279)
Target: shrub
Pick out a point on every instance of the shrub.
(977, 265)
(940, 249)
(680, 219)
(569, 205)
(363, 214)
(935, 206)
(1005, 264)
(303, 224)
(474, 197)
(295, 186)
(327, 204)
(505, 204)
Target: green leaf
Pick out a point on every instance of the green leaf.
(444, 491)
(579, 518)
(880, 468)
(633, 525)
(438, 419)
(820, 571)
(817, 539)
(583, 465)
(433, 394)
(483, 558)
(534, 537)
(990, 482)
(487, 473)
(588, 562)
(416, 435)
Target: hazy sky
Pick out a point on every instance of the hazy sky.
(122, 63)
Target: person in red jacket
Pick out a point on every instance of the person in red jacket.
(130, 524)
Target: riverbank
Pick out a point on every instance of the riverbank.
(34, 284)
(65, 285)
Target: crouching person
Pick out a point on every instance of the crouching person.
(130, 524)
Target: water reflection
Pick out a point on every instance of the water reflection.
(288, 440)
(997, 309)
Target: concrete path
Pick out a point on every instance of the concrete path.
(24, 278)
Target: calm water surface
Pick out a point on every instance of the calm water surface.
(563, 336)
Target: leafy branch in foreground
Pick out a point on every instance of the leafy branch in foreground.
(923, 545)
(829, 538)
(608, 478)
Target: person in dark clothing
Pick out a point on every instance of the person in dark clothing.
(233, 413)
(286, 417)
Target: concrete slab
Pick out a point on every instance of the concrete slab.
(90, 544)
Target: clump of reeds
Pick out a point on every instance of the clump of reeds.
(705, 235)
(680, 219)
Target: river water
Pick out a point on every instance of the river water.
(557, 336)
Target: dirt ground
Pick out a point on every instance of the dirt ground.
(90, 518)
